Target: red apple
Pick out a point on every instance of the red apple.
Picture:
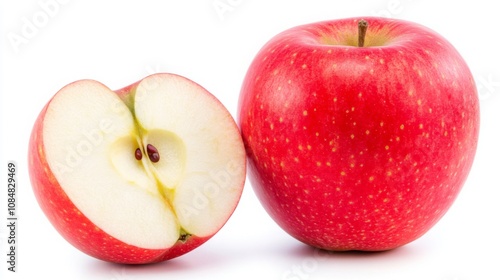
(140, 175)
(358, 147)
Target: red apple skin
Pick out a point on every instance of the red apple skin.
(77, 229)
(358, 148)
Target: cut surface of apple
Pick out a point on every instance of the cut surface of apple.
(157, 162)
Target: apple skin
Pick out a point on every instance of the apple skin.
(74, 226)
(358, 148)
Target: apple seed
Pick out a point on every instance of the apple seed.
(138, 154)
(153, 153)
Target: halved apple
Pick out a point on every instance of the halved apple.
(140, 175)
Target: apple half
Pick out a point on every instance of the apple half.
(140, 175)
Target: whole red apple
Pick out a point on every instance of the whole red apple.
(140, 175)
(358, 142)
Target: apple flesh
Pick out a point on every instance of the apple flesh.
(358, 148)
(140, 175)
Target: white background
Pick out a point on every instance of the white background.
(120, 42)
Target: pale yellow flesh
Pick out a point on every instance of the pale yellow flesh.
(90, 137)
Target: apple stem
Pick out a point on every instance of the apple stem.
(362, 26)
(153, 153)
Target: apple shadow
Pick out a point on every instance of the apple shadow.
(99, 269)
(377, 262)
(304, 250)
(197, 260)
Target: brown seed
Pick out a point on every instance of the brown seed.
(153, 153)
(138, 154)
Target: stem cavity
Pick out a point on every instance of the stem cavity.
(362, 26)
